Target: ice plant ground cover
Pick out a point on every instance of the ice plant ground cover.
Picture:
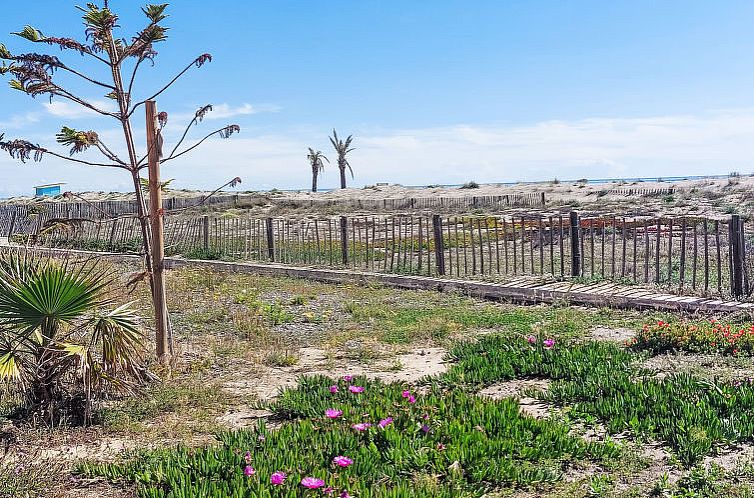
(696, 337)
(451, 442)
(445, 444)
(602, 379)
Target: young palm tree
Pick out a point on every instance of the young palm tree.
(342, 148)
(315, 160)
(62, 338)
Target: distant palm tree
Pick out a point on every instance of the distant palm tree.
(342, 148)
(315, 160)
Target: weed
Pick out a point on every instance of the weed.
(283, 358)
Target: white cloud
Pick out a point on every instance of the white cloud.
(70, 110)
(707, 143)
(226, 111)
(19, 121)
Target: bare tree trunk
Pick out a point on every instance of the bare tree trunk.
(342, 176)
(164, 345)
(314, 181)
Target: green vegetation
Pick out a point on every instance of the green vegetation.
(63, 340)
(597, 379)
(696, 337)
(711, 481)
(445, 444)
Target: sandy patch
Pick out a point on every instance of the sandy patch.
(515, 389)
(268, 382)
(610, 334)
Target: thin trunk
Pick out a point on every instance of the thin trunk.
(342, 174)
(314, 180)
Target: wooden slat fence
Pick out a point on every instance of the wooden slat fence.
(642, 192)
(461, 203)
(689, 255)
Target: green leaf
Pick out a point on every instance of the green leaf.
(17, 85)
(156, 12)
(4, 52)
(9, 367)
(31, 34)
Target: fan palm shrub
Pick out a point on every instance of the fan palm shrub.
(64, 342)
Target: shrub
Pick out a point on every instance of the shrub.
(705, 337)
(469, 185)
(63, 341)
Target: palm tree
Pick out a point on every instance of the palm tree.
(63, 339)
(342, 148)
(315, 160)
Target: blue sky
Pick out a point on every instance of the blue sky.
(435, 91)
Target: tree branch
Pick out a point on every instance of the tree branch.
(66, 94)
(87, 78)
(198, 62)
(81, 161)
(198, 116)
(223, 132)
(131, 83)
(109, 153)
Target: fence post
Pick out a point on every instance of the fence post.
(575, 244)
(737, 250)
(270, 240)
(12, 225)
(439, 246)
(205, 233)
(543, 199)
(344, 238)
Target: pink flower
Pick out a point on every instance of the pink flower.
(333, 389)
(249, 471)
(345, 494)
(312, 482)
(362, 426)
(440, 447)
(549, 343)
(406, 394)
(411, 400)
(425, 429)
(333, 413)
(247, 457)
(356, 389)
(328, 490)
(342, 461)
(385, 422)
(277, 478)
(348, 378)
(531, 339)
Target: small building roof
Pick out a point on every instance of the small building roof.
(49, 185)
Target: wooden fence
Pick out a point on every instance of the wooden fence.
(689, 255)
(462, 203)
(642, 192)
(28, 218)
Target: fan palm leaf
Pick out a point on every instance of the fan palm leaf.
(59, 332)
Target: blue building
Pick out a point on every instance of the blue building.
(50, 190)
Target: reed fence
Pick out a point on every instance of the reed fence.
(689, 255)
